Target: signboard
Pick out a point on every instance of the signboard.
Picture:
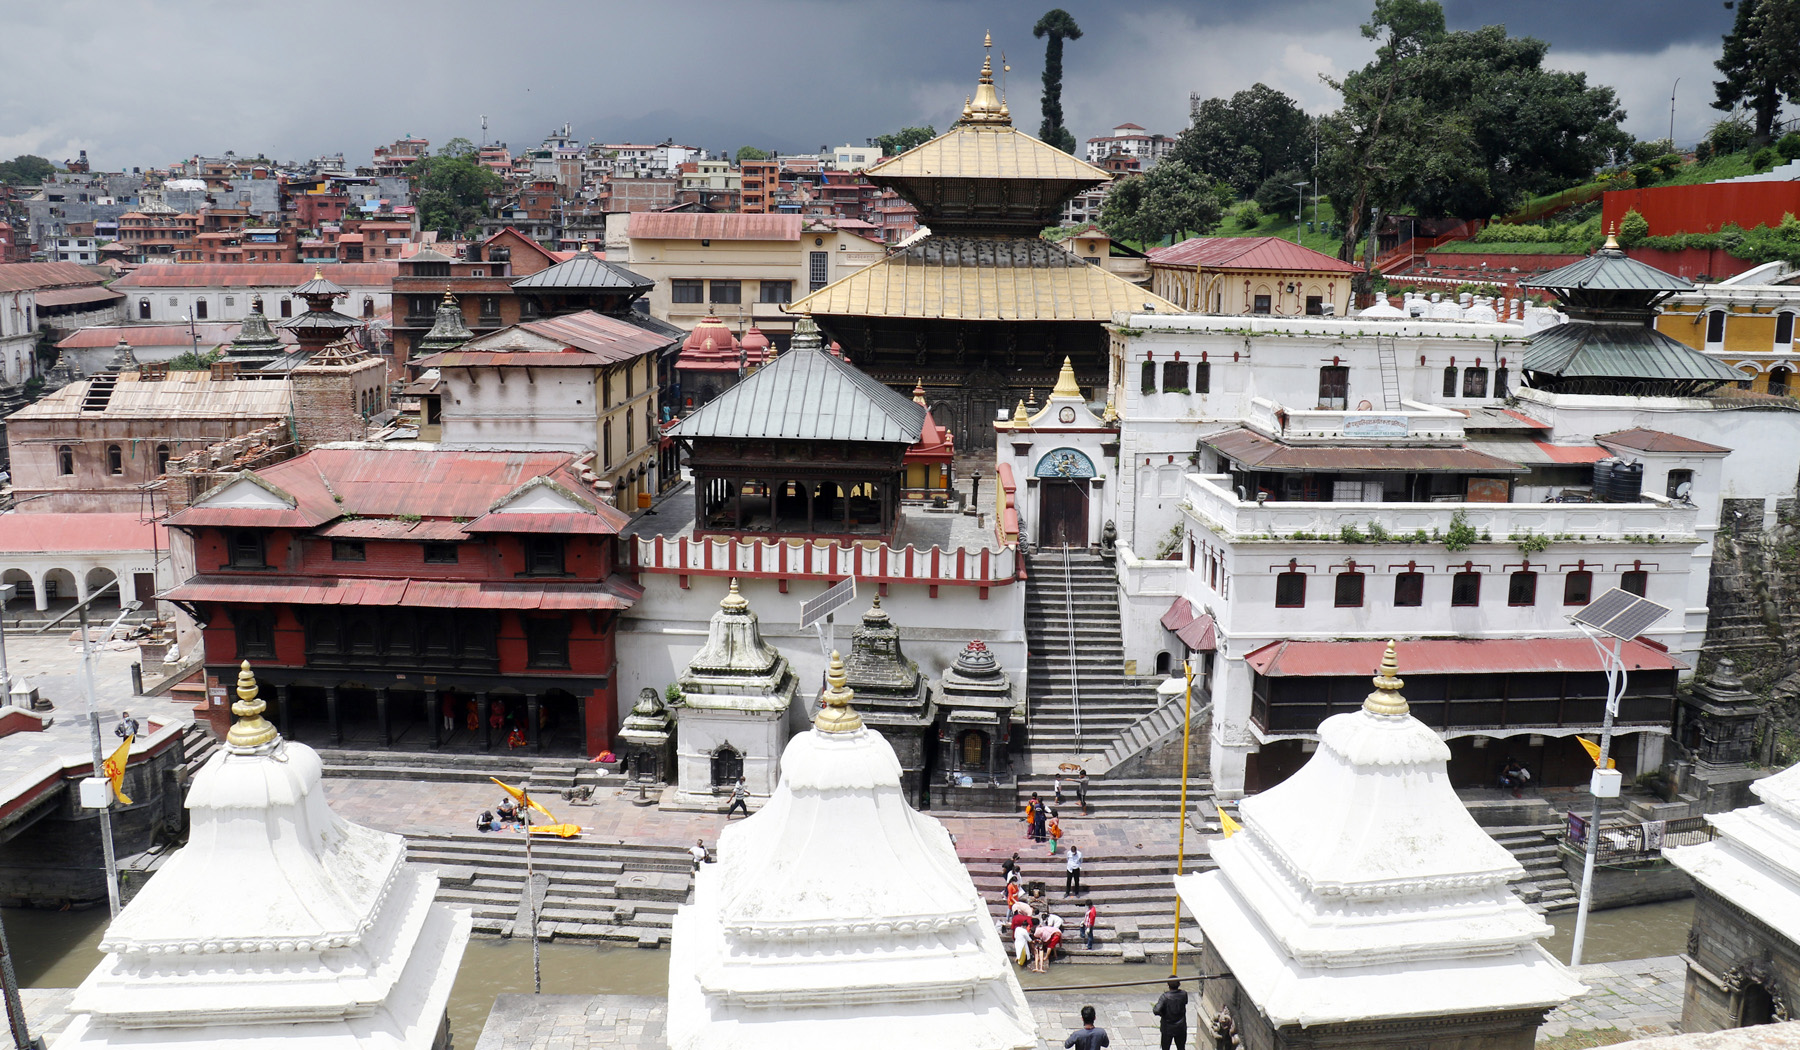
(835, 597)
(1375, 426)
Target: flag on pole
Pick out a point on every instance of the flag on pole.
(522, 797)
(1593, 751)
(1226, 824)
(114, 768)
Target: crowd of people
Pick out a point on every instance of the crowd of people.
(503, 817)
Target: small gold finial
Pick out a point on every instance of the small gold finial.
(1612, 239)
(1111, 415)
(1020, 418)
(449, 300)
(987, 40)
(318, 273)
(1386, 699)
(733, 602)
(919, 392)
(1065, 381)
(837, 716)
(250, 730)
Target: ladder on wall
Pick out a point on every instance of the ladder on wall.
(1390, 374)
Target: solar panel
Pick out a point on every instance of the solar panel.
(1620, 614)
(835, 597)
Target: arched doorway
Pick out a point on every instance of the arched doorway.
(99, 577)
(727, 766)
(21, 581)
(1780, 380)
(1063, 477)
(59, 585)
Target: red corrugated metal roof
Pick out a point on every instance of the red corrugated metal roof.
(1659, 441)
(257, 275)
(20, 277)
(1523, 418)
(92, 293)
(1572, 453)
(1195, 630)
(694, 226)
(25, 531)
(207, 334)
(1424, 656)
(1246, 253)
(1254, 450)
(600, 524)
(616, 593)
(600, 340)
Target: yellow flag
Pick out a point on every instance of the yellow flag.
(114, 768)
(1593, 751)
(1226, 824)
(520, 796)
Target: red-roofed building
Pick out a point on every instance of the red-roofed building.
(1250, 275)
(414, 598)
(64, 557)
(225, 291)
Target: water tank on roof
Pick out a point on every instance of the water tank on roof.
(1628, 482)
(1603, 478)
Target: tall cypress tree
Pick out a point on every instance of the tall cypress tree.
(1058, 25)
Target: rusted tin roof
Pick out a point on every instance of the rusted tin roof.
(1432, 656)
(430, 594)
(1253, 450)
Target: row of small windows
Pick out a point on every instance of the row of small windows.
(1465, 588)
(1175, 377)
(202, 309)
(544, 555)
(1784, 327)
(115, 460)
(1474, 382)
(693, 290)
(1334, 381)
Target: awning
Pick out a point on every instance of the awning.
(431, 594)
(1194, 629)
(1435, 656)
(87, 293)
(1252, 450)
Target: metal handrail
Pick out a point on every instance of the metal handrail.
(1074, 663)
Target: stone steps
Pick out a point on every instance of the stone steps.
(1155, 798)
(1546, 885)
(1072, 631)
(541, 773)
(197, 745)
(1135, 897)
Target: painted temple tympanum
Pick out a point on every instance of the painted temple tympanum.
(839, 916)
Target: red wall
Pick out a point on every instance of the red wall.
(1704, 209)
(1692, 263)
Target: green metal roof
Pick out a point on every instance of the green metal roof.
(1586, 349)
(585, 270)
(1609, 270)
(807, 394)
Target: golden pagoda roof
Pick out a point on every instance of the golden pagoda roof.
(982, 279)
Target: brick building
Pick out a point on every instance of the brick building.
(481, 281)
(383, 591)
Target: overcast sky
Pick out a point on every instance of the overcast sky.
(148, 82)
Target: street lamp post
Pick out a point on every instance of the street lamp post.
(1299, 208)
(1672, 113)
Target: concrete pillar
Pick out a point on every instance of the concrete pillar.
(334, 715)
(283, 720)
(481, 715)
(434, 716)
(381, 715)
(37, 593)
(532, 732)
(1649, 752)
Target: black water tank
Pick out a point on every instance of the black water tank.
(1603, 478)
(1628, 482)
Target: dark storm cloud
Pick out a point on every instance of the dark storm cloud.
(146, 82)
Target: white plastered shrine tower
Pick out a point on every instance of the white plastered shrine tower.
(278, 923)
(839, 917)
(1360, 893)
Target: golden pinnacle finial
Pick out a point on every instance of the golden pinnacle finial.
(318, 273)
(837, 716)
(1111, 415)
(1020, 418)
(733, 601)
(919, 391)
(1065, 381)
(1386, 699)
(250, 730)
(1612, 239)
(987, 40)
(449, 300)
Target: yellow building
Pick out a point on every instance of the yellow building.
(739, 268)
(1250, 275)
(1750, 327)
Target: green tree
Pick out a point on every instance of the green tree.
(1633, 228)
(1247, 138)
(26, 169)
(1122, 213)
(1467, 123)
(458, 148)
(745, 153)
(895, 143)
(452, 193)
(1172, 200)
(1058, 25)
(1760, 62)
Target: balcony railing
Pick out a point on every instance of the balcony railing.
(1211, 500)
(785, 559)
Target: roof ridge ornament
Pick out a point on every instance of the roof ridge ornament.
(985, 106)
(1386, 699)
(837, 716)
(1065, 381)
(250, 732)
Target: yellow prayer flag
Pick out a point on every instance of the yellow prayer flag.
(114, 768)
(1593, 751)
(520, 796)
(1226, 824)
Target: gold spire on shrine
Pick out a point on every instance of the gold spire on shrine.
(1065, 381)
(733, 602)
(1386, 699)
(837, 716)
(919, 392)
(986, 106)
(250, 730)
(1020, 417)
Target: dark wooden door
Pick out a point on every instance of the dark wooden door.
(143, 586)
(1063, 514)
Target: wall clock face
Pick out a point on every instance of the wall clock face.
(1067, 415)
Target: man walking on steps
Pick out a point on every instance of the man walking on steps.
(1072, 880)
(740, 794)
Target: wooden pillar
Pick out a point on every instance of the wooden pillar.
(809, 506)
(333, 715)
(481, 715)
(699, 503)
(283, 719)
(737, 505)
(532, 732)
(434, 716)
(381, 716)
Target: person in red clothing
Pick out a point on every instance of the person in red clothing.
(1088, 922)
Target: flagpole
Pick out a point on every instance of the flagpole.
(106, 837)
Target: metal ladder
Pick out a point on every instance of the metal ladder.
(1390, 374)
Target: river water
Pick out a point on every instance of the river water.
(58, 949)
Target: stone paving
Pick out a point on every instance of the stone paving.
(1639, 996)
